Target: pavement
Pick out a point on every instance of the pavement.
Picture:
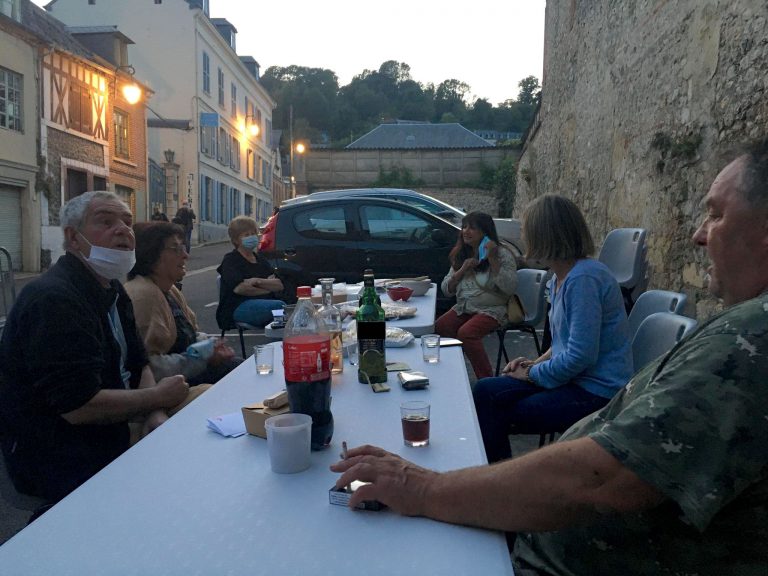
(201, 291)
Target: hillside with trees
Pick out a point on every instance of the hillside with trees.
(325, 112)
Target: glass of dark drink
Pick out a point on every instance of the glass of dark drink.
(415, 418)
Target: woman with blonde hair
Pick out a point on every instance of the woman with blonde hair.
(250, 289)
(590, 358)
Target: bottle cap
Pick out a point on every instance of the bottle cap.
(303, 292)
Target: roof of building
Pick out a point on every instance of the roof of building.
(413, 136)
(100, 30)
(52, 31)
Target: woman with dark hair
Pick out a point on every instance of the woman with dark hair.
(483, 277)
(165, 321)
(590, 358)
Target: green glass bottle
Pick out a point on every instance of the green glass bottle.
(371, 332)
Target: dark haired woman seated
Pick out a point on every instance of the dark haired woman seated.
(483, 276)
(165, 321)
(590, 358)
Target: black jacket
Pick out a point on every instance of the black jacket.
(57, 352)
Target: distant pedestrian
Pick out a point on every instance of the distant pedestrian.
(185, 217)
(158, 215)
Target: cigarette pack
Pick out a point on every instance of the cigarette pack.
(413, 380)
(341, 496)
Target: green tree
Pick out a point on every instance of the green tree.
(529, 90)
(449, 98)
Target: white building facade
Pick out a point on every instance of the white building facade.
(210, 118)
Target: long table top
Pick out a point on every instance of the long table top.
(186, 500)
(423, 322)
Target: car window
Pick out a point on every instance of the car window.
(385, 223)
(322, 223)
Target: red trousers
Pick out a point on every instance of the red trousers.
(470, 329)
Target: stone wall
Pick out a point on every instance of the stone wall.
(642, 104)
(331, 169)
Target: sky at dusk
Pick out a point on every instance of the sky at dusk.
(489, 44)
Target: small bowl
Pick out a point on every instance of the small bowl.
(419, 287)
(399, 293)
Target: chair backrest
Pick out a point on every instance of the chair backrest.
(531, 286)
(655, 301)
(7, 286)
(658, 334)
(623, 251)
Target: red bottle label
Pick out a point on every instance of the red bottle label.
(307, 357)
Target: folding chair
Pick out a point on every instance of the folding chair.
(531, 285)
(241, 327)
(657, 335)
(623, 251)
(655, 301)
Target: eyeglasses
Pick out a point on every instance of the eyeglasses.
(178, 248)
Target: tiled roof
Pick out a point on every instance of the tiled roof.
(51, 31)
(415, 136)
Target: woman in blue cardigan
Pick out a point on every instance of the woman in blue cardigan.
(590, 358)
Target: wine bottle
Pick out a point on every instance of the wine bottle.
(331, 315)
(371, 332)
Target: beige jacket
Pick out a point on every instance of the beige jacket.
(154, 320)
(485, 293)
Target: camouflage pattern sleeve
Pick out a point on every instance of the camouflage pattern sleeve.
(697, 426)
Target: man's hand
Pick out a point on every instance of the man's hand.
(393, 481)
(221, 353)
(170, 391)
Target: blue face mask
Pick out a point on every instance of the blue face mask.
(250, 242)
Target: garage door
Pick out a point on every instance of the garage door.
(10, 222)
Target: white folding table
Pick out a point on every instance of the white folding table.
(187, 501)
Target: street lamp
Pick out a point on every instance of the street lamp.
(131, 91)
(251, 124)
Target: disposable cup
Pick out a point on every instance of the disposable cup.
(288, 442)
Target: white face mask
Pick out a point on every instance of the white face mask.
(108, 262)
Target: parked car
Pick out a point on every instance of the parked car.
(509, 229)
(341, 237)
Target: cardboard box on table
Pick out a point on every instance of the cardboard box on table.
(255, 415)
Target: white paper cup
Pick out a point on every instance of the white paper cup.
(288, 442)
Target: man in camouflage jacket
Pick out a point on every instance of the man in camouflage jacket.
(671, 477)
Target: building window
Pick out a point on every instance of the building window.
(206, 73)
(221, 87)
(234, 160)
(233, 111)
(224, 147)
(10, 100)
(122, 141)
(206, 198)
(222, 215)
(208, 141)
(250, 165)
(80, 112)
(248, 205)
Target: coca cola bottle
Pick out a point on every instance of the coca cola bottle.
(307, 364)
(331, 315)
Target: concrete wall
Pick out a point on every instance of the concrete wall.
(641, 102)
(329, 169)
